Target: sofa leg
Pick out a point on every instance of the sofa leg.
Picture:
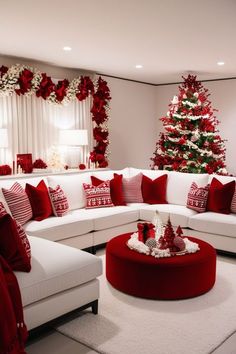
(95, 307)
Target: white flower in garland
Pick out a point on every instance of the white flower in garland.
(8, 82)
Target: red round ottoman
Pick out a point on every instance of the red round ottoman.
(177, 277)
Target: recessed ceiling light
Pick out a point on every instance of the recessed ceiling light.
(220, 63)
(138, 66)
(66, 48)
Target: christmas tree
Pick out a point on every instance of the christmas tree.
(191, 142)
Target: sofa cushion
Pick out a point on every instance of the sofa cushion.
(179, 214)
(105, 218)
(154, 191)
(109, 174)
(72, 186)
(59, 201)
(76, 222)
(18, 203)
(224, 180)
(132, 189)
(98, 197)
(14, 245)
(179, 184)
(55, 268)
(39, 200)
(214, 223)
(149, 173)
(220, 196)
(117, 196)
(197, 198)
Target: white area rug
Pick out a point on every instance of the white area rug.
(127, 325)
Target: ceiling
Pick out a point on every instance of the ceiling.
(170, 38)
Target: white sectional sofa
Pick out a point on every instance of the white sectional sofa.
(83, 228)
(64, 278)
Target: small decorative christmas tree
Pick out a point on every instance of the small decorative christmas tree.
(191, 142)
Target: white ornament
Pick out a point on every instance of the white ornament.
(175, 100)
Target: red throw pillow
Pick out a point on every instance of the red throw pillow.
(154, 191)
(117, 196)
(197, 198)
(18, 203)
(220, 196)
(59, 201)
(12, 246)
(39, 200)
(132, 189)
(20, 230)
(98, 197)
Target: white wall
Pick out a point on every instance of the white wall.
(223, 98)
(132, 124)
(55, 72)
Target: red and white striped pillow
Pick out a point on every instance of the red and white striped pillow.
(20, 230)
(197, 198)
(233, 203)
(99, 196)
(59, 201)
(132, 189)
(18, 203)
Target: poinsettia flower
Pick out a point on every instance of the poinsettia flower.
(99, 135)
(103, 164)
(24, 82)
(46, 87)
(60, 89)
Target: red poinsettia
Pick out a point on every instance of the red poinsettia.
(46, 87)
(85, 88)
(99, 134)
(60, 89)
(24, 82)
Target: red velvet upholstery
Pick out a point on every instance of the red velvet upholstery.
(11, 247)
(117, 196)
(154, 191)
(220, 196)
(39, 200)
(172, 278)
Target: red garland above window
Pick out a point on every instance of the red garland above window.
(24, 80)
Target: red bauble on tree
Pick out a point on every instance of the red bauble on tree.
(191, 142)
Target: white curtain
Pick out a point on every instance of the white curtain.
(33, 126)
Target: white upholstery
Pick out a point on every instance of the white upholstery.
(58, 304)
(214, 223)
(109, 174)
(72, 185)
(179, 214)
(105, 218)
(153, 174)
(55, 268)
(179, 184)
(76, 222)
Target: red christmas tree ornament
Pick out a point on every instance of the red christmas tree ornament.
(179, 231)
(191, 142)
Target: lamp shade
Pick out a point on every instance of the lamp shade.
(3, 138)
(73, 137)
